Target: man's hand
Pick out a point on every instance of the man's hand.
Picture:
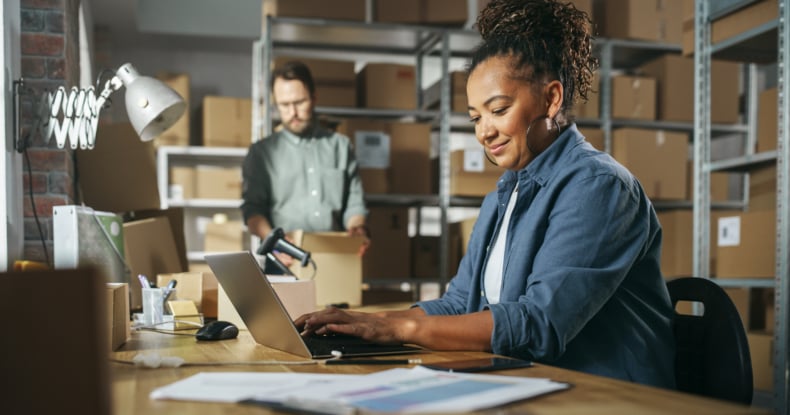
(361, 230)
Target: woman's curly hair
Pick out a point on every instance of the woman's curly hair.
(549, 40)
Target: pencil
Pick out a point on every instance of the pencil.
(373, 361)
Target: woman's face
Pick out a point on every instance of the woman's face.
(502, 107)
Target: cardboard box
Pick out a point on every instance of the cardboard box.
(652, 20)
(118, 324)
(217, 182)
(119, 174)
(409, 167)
(54, 352)
(733, 24)
(594, 136)
(227, 121)
(592, 108)
(444, 12)
(740, 297)
(425, 254)
(338, 277)
(387, 86)
(189, 285)
(410, 163)
(471, 174)
(225, 237)
(677, 246)
(761, 351)
(178, 133)
(375, 181)
(633, 97)
(657, 158)
(335, 80)
(210, 284)
(746, 245)
(767, 112)
(150, 250)
(677, 243)
(353, 10)
(719, 184)
(175, 218)
(674, 77)
(762, 189)
(182, 183)
(389, 254)
(458, 103)
(466, 227)
(298, 297)
(762, 312)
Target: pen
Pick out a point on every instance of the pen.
(168, 290)
(373, 361)
(144, 281)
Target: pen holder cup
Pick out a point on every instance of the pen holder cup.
(154, 300)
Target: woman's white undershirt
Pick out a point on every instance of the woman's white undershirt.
(492, 276)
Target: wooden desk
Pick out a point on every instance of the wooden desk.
(589, 395)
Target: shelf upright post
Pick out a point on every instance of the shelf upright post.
(257, 86)
(444, 162)
(266, 73)
(701, 201)
(782, 276)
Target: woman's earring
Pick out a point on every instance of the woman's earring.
(490, 160)
(548, 131)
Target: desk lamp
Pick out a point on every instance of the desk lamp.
(73, 114)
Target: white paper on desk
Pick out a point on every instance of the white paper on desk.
(237, 386)
(421, 390)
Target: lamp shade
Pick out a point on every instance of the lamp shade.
(151, 105)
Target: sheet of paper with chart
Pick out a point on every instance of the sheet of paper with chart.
(417, 390)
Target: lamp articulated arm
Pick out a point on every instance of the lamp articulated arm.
(73, 115)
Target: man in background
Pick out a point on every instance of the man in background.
(303, 176)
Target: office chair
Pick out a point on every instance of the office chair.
(712, 353)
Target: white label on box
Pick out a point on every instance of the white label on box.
(730, 231)
(373, 149)
(474, 160)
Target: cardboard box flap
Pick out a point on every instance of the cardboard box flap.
(330, 242)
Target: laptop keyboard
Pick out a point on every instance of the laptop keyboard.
(348, 345)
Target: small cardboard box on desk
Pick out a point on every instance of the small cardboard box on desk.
(118, 314)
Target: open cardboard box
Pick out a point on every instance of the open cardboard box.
(338, 273)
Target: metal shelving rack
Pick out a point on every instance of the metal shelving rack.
(769, 42)
(346, 40)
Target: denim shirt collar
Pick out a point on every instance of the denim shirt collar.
(542, 168)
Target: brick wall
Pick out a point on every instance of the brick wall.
(50, 45)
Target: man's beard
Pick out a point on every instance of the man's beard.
(306, 127)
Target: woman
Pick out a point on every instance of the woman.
(563, 262)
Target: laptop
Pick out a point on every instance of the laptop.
(269, 323)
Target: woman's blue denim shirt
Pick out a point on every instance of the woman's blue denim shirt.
(582, 288)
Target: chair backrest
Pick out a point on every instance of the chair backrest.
(712, 352)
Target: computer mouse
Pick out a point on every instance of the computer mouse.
(217, 330)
